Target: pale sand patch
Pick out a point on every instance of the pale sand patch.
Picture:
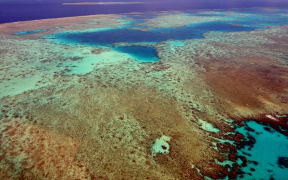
(19, 85)
(160, 145)
(208, 126)
(177, 20)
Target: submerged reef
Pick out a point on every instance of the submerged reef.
(204, 97)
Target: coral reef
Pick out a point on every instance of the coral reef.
(76, 111)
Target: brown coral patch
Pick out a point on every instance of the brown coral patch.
(117, 127)
(159, 115)
(248, 86)
(31, 152)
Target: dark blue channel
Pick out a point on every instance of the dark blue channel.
(109, 37)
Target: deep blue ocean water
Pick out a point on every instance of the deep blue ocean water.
(20, 10)
(117, 35)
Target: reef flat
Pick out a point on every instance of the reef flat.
(78, 102)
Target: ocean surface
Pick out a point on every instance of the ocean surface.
(16, 10)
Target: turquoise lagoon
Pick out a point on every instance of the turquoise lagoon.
(142, 53)
(134, 31)
(266, 148)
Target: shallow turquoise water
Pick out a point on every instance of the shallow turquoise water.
(267, 146)
(30, 32)
(140, 53)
